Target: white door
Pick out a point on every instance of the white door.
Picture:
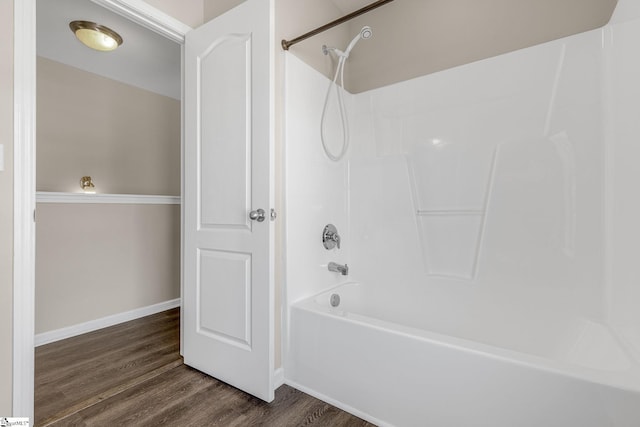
(228, 296)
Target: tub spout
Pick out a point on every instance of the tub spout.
(339, 268)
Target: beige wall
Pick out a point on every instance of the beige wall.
(413, 38)
(296, 17)
(187, 11)
(127, 139)
(6, 204)
(213, 8)
(417, 37)
(95, 260)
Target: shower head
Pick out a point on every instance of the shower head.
(365, 33)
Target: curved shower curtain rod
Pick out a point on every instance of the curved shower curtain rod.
(286, 44)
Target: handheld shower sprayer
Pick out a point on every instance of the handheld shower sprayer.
(365, 33)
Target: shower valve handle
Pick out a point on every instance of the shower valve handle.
(330, 237)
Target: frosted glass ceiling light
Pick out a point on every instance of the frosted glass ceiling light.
(96, 36)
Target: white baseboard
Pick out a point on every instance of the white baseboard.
(278, 377)
(93, 325)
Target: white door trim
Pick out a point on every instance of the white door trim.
(24, 194)
(24, 185)
(149, 17)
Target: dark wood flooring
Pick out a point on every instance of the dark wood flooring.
(132, 375)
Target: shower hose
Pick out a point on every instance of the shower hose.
(343, 114)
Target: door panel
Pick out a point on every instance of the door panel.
(224, 305)
(228, 295)
(225, 115)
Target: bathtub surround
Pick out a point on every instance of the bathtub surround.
(318, 199)
(471, 210)
(622, 208)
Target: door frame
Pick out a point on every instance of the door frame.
(24, 182)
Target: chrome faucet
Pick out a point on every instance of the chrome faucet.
(339, 268)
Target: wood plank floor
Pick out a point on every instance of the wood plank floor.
(132, 375)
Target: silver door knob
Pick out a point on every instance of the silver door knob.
(258, 215)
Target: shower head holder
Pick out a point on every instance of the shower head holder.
(365, 33)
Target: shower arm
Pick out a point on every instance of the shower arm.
(286, 44)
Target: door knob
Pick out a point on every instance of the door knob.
(258, 215)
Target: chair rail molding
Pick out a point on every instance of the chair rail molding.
(102, 198)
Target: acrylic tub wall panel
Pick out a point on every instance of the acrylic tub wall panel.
(382, 210)
(383, 223)
(494, 171)
(316, 188)
(623, 208)
(451, 217)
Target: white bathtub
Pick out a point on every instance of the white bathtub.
(404, 370)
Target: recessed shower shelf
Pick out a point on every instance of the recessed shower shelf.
(451, 241)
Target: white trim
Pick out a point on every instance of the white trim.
(104, 322)
(337, 404)
(125, 199)
(182, 195)
(149, 17)
(24, 111)
(278, 378)
(24, 98)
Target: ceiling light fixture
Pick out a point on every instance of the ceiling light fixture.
(96, 36)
